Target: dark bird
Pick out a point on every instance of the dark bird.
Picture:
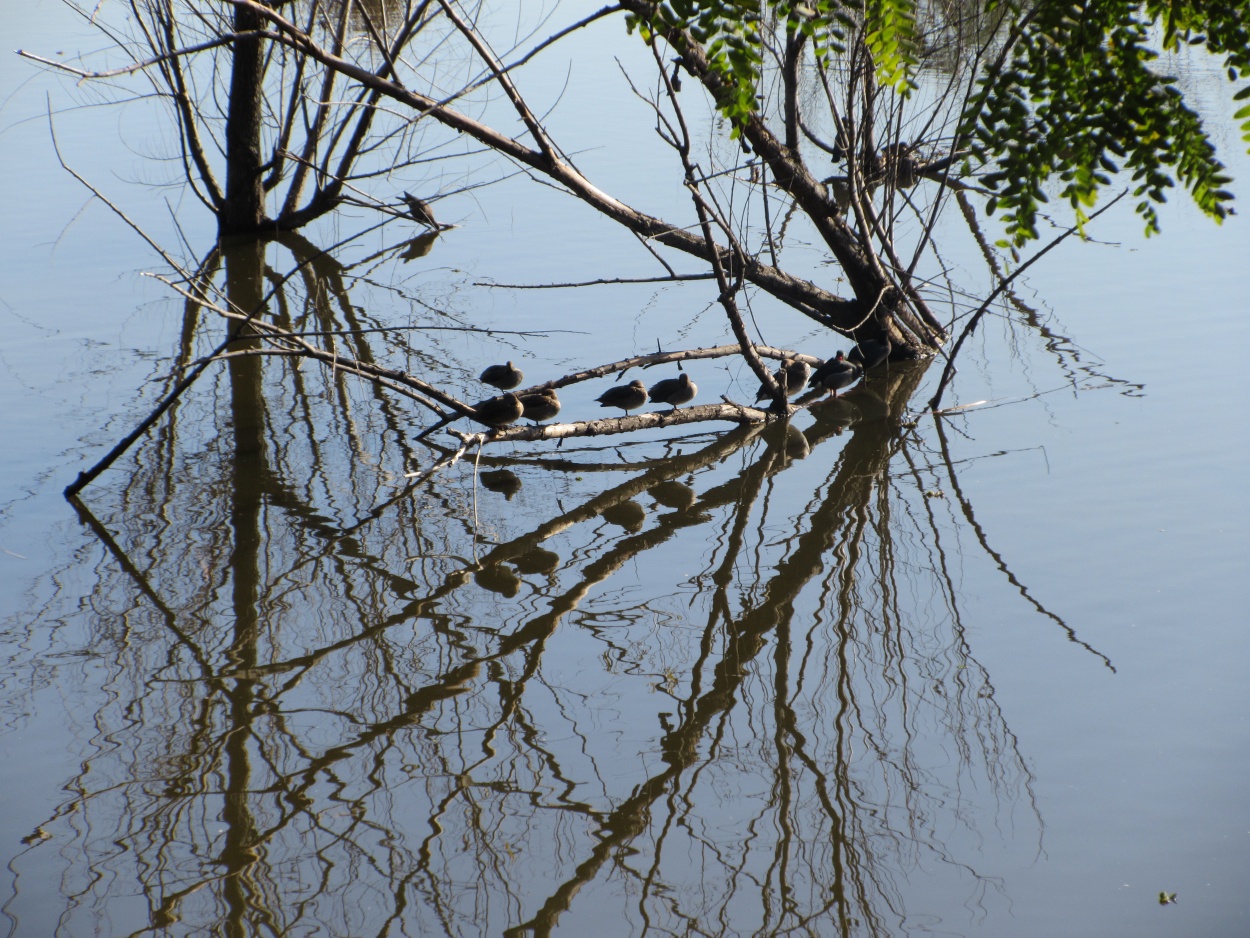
(792, 376)
(869, 353)
(899, 165)
(540, 405)
(835, 374)
(420, 211)
(625, 396)
(674, 391)
(505, 377)
(499, 412)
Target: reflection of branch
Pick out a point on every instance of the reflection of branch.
(966, 507)
(533, 634)
(746, 638)
(141, 583)
(453, 682)
(1062, 346)
(949, 371)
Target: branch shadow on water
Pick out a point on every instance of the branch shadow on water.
(735, 701)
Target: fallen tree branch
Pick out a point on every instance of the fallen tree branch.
(817, 304)
(728, 411)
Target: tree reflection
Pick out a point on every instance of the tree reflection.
(728, 691)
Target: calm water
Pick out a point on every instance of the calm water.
(984, 676)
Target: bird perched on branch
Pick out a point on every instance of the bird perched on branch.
(540, 405)
(625, 396)
(869, 353)
(420, 211)
(792, 376)
(674, 391)
(835, 374)
(505, 377)
(499, 412)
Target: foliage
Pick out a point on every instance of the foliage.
(1072, 90)
(1077, 95)
(731, 32)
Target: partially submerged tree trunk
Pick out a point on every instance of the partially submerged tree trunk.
(303, 125)
(995, 70)
(243, 208)
(883, 308)
(369, 72)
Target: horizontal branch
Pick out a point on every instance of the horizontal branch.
(606, 281)
(669, 358)
(223, 40)
(729, 412)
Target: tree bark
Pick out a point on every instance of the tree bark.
(244, 208)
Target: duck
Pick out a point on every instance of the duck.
(540, 405)
(505, 377)
(836, 374)
(625, 396)
(674, 391)
(869, 353)
(420, 211)
(499, 412)
(792, 376)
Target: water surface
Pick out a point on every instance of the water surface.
(877, 674)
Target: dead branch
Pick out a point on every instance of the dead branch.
(728, 411)
(223, 40)
(603, 281)
(823, 307)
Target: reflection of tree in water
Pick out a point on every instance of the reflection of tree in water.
(320, 697)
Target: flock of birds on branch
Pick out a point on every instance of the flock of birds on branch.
(793, 376)
(502, 411)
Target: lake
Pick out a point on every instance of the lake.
(874, 672)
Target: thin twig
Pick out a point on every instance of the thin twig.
(605, 281)
(970, 327)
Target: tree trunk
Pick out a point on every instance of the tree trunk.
(243, 211)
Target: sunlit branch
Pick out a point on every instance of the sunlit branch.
(223, 40)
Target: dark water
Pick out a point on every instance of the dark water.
(872, 674)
